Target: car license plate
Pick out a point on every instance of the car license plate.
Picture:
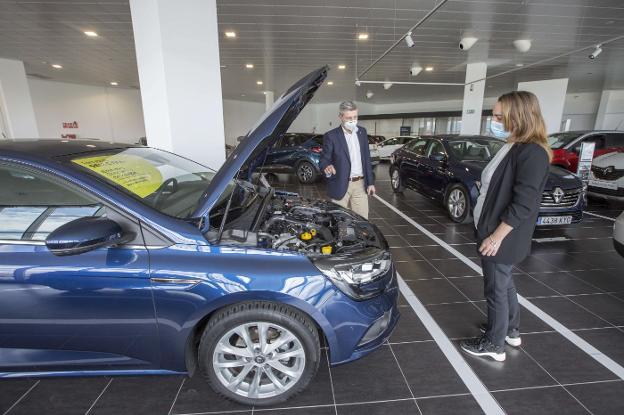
(605, 184)
(554, 220)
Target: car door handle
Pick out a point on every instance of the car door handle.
(181, 281)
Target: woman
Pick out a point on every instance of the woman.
(505, 215)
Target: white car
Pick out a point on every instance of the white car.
(374, 153)
(606, 179)
(618, 234)
(387, 147)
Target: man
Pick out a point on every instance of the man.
(346, 162)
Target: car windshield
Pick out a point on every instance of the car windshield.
(474, 149)
(561, 140)
(171, 184)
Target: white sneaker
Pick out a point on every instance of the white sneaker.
(512, 340)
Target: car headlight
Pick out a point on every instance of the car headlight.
(353, 275)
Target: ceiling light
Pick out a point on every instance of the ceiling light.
(519, 65)
(342, 66)
(330, 83)
(408, 40)
(522, 45)
(387, 85)
(113, 83)
(259, 82)
(230, 34)
(91, 33)
(363, 36)
(249, 66)
(57, 66)
(596, 52)
(429, 68)
(223, 66)
(369, 94)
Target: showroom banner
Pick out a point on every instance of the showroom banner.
(551, 94)
(586, 156)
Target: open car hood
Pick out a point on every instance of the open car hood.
(262, 136)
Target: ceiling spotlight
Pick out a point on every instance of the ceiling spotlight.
(91, 33)
(408, 40)
(230, 34)
(342, 66)
(369, 94)
(387, 85)
(259, 82)
(467, 42)
(330, 83)
(415, 70)
(113, 83)
(57, 66)
(249, 66)
(596, 52)
(429, 68)
(363, 36)
(519, 65)
(522, 45)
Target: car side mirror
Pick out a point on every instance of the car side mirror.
(437, 157)
(85, 234)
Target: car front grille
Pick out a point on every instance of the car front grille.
(607, 173)
(569, 198)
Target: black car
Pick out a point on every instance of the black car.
(448, 168)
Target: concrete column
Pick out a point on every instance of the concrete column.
(473, 98)
(16, 108)
(269, 98)
(551, 94)
(177, 49)
(611, 111)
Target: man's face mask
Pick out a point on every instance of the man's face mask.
(350, 125)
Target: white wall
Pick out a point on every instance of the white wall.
(551, 94)
(16, 107)
(112, 114)
(581, 109)
(239, 117)
(611, 111)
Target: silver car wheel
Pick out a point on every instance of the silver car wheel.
(305, 172)
(259, 360)
(457, 203)
(395, 179)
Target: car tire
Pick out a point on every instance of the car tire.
(457, 203)
(306, 172)
(395, 180)
(226, 332)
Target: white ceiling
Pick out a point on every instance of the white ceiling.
(286, 38)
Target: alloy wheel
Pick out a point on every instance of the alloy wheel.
(259, 360)
(395, 179)
(457, 203)
(305, 172)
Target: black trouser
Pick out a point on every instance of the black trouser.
(502, 302)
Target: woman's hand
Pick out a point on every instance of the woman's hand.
(489, 246)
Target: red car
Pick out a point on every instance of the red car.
(566, 146)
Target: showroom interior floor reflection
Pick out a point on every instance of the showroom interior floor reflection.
(574, 275)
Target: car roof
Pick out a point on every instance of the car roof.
(457, 137)
(53, 148)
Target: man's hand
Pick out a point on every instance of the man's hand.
(330, 170)
(370, 190)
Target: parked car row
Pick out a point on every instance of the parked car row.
(448, 168)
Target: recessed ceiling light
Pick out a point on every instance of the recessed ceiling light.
(57, 66)
(90, 145)
(113, 83)
(91, 33)
(519, 65)
(259, 82)
(223, 66)
(342, 66)
(330, 83)
(243, 95)
(429, 68)
(363, 36)
(230, 34)
(249, 66)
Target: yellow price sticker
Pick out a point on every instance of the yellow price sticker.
(133, 173)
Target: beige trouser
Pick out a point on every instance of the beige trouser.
(355, 199)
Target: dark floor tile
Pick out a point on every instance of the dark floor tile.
(418, 359)
(605, 306)
(453, 268)
(470, 287)
(396, 241)
(139, 395)
(609, 259)
(569, 314)
(565, 283)
(529, 323)
(528, 286)
(435, 291)
(419, 269)
(380, 408)
(197, 396)
(12, 390)
(61, 396)
(435, 252)
(544, 401)
(405, 254)
(468, 249)
(409, 328)
(323, 410)
(418, 240)
(601, 398)
(536, 264)
(449, 405)
(375, 377)
(563, 360)
(457, 320)
(517, 371)
(608, 341)
(606, 280)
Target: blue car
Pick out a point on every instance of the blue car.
(448, 168)
(297, 153)
(122, 259)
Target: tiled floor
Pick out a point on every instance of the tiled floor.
(578, 280)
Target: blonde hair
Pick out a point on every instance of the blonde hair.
(522, 116)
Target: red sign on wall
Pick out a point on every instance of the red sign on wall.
(73, 124)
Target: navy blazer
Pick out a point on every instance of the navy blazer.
(336, 153)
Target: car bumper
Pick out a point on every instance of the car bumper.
(611, 195)
(619, 247)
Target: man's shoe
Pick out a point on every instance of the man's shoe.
(481, 346)
(512, 338)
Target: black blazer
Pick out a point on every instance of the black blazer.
(514, 197)
(336, 152)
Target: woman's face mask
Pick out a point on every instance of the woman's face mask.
(498, 130)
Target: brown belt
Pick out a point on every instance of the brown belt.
(355, 178)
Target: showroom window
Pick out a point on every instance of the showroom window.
(32, 205)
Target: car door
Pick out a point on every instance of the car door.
(387, 147)
(598, 139)
(88, 311)
(434, 175)
(614, 142)
(411, 165)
